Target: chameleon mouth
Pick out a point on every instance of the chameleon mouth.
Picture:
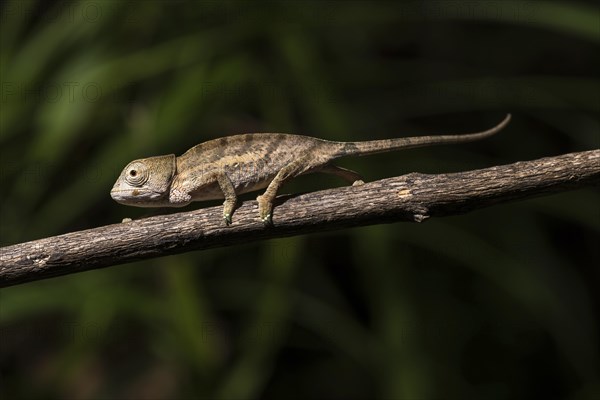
(134, 196)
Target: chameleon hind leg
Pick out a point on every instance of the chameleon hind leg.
(265, 201)
(346, 174)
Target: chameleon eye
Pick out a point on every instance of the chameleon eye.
(137, 174)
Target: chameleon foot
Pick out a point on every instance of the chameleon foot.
(264, 210)
(358, 183)
(267, 220)
(228, 206)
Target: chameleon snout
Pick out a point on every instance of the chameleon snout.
(128, 195)
(134, 197)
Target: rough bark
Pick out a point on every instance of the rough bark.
(412, 197)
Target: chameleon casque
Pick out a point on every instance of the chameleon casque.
(225, 167)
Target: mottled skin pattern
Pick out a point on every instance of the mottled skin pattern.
(232, 165)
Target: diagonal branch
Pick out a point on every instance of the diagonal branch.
(412, 197)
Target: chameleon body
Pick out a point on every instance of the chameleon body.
(232, 165)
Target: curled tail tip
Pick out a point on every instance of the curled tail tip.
(501, 125)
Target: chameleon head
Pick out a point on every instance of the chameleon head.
(145, 182)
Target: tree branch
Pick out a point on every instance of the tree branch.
(412, 197)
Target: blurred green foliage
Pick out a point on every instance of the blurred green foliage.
(498, 304)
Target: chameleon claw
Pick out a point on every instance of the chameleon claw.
(268, 220)
(227, 218)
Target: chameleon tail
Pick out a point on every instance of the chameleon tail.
(386, 145)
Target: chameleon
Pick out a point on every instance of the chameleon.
(228, 166)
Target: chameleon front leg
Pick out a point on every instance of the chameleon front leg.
(346, 174)
(229, 193)
(265, 201)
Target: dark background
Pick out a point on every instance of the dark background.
(501, 303)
